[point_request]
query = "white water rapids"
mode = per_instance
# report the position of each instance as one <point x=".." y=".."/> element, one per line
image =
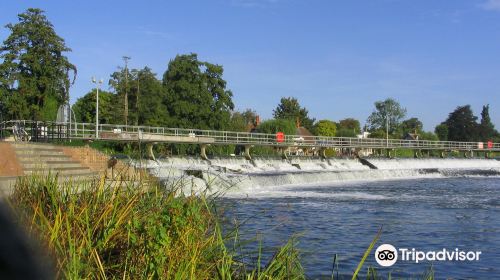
<point x="269" y="177"/>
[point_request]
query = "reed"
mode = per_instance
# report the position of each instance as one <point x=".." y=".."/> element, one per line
<point x="141" y="230"/>
<point x="103" y="230"/>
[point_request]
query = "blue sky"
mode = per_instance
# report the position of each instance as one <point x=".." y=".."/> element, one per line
<point x="336" y="57"/>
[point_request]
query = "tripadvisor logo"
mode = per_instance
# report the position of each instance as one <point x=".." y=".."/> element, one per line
<point x="387" y="255"/>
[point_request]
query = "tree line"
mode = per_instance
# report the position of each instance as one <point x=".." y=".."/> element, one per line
<point x="192" y="94"/>
<point x="461" y="124"/>
<point x="35" y="77"/>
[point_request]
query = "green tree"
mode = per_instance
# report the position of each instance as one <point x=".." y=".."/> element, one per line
<point x="152" y="97"/>
<point x="325" y="128"/>
<point x="34" y="73"/>
<point x="277" y="125"/>
<point x="486" y="128"/>
<point x="441" y="131"/>
<point x="241" y="121"/>
<point x="147" y="98"/>
<point x="120" y="83"/>
<point x="424" y="135"/>
<point x="412" y="125"/>
<point x="388" y="109"/>
<point x="2" y="110"/>
<point x="85" y="111"/>
<point x="290" y="109"/>
<point x="349" y="127"/>
<point x="378" y="133"/>
<point x="462" y="124"/>
<point x="197" y="94"/>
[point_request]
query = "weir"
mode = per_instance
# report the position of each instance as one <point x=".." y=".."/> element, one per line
<point x="263" y="174"/>
<point x="25" y="131"/>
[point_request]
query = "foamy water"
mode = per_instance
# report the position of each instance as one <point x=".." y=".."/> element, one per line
<point x="238" y="177"/>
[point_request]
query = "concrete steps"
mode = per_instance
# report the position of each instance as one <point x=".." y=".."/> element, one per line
<point x="38" y="152"/>
<point x="53" y="164"/>
<point x="43" y="159"/>
<point x="60" y="170"/>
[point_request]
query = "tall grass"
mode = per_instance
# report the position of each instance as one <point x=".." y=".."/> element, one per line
<point x="129" y="231"/>
<point x="139" y="230"/>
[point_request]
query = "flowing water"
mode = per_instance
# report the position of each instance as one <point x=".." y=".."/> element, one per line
<point x="343" y="218"/>
<point x="337" y="208"/>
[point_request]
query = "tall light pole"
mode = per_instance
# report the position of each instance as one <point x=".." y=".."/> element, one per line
<point x="125" y="113"/>
<point x="137" y="74"/>
<point x="98" y="84"/>
<point x="387" y="128"/>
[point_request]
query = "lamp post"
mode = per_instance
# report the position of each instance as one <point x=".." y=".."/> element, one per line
<point x="98" y="84"/>
<point x="387" y="129"/>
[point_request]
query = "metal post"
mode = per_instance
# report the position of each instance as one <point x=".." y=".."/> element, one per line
<point x="97" y="114"/>
<point x="125" y="113"/>
<point x="98" y="84"/>
<point x="387" y="129"/>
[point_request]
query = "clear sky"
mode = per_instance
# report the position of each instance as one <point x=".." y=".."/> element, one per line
<point x="336" y="57"/>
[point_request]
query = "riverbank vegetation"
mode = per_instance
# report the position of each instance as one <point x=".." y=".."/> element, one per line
<point x="102" y="230"/>
<point x="130" y="231"/>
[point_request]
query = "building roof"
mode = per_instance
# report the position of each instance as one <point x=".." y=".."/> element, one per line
<point x="411" y="136"/>
<point x="304" y="132"/>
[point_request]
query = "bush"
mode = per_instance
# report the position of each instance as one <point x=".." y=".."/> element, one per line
<point x="277" y="125"/>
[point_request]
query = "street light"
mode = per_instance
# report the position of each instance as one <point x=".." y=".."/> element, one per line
<point x="387" y="128"/>
<point x="98" y="84"/>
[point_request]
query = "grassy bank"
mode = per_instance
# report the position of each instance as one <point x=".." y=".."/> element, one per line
<point x="91" y="230"/>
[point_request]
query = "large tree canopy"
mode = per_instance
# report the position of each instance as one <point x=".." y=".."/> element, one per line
<point x="147" y="99"/>
<point x="388" y="110"/>
<point x="34" y="73"/>
<point x="486" y="128"/>
<point x="197" y="94"/>
<point x="462" y="125"/>
<point x="412" y="125"/>
<point x="290" y="109"/>
<point x="441" y="131"/>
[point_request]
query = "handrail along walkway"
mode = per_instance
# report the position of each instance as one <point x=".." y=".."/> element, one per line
<point x="39" y="131"/>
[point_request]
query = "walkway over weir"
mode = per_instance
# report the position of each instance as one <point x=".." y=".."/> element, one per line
<point x="48" y="131"/>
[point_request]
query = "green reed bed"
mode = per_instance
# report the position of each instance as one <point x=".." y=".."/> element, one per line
<point x="123" y="230"/>
<point x="129" y="231"/>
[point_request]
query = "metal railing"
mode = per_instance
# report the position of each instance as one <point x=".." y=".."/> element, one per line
<point x="48" y="131"/>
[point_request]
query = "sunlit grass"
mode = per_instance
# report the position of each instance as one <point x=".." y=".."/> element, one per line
<point x="129" y="231"/>
<point x="140" y="230"/>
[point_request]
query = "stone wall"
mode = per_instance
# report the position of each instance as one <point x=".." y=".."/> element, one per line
<point x="9" y="165"/>
<point x="103" y="163"/>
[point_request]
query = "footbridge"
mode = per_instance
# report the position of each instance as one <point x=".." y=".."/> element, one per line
<point x="26" y="130"/>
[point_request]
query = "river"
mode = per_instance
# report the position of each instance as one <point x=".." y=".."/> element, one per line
<point x="337" y="206"/>
<point x="342" y="218"/>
